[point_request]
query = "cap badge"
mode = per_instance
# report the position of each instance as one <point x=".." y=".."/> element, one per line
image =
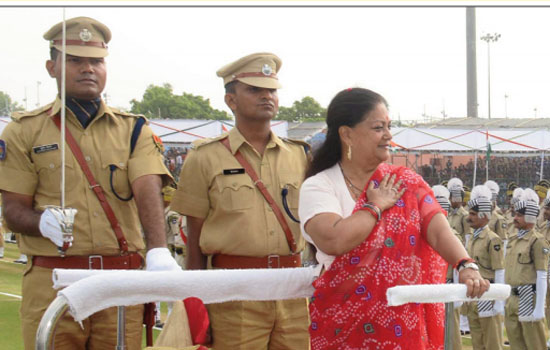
<point x="85" y="35"/>
<point x="266" y="69"/>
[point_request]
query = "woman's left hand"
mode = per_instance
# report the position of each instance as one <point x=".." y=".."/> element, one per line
<point x="476" y="284"/>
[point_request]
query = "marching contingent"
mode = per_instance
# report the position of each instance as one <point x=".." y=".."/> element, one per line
<point x="509" y="247"/>
<point x="248" y="199"/>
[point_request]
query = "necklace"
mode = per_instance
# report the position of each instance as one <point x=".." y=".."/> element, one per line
<point x="357" y="191"/>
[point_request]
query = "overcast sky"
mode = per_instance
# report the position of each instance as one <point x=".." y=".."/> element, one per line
<point x="415" y="57"/>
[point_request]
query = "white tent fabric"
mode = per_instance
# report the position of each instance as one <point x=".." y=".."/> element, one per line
<point x="174" y="132"/>
<point x="471" y="140"/>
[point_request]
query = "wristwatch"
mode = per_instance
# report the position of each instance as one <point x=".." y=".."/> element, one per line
<point x="468" y="265"/>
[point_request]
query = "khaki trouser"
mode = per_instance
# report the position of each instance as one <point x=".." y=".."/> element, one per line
<point x="260" y="325"/>
<point x="99" y="329"/>
<point x="522" y="335"/>
<point x="486" y="332"/>
<point x="457" y="338"/>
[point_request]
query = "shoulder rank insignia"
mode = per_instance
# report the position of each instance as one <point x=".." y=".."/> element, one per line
<point x="3" y="150"/>
<point x="545" y="251"/>
<point x="158" y="143"/>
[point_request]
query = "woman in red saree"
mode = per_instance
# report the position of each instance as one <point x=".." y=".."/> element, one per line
<point x="391" y="233"/>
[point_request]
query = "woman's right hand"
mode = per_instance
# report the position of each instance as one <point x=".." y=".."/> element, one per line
<point x="387" y="193"/>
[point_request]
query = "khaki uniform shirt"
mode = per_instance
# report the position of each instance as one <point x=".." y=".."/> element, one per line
<point x="33" y="167"/>
<point x="524" y="257"/>
<point x="238" y="220"/>
<point x="541" y="221"/>
<point x="487" y="250"/>
<point x="498" y="225"/>
<point x="457" y="220"/>
<point x="511" y="230"/>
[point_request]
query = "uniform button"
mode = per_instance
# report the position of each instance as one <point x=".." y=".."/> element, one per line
<point x="85" y="133"/>
<point x="88" y="158"/>
<point x="52" y="166"/>
<point x="269" y="209"/>
<point x="121" y="164"/>
<point x="271" y="232"/>
<point x="96" y="214"/>
<point x="234" y="184"/>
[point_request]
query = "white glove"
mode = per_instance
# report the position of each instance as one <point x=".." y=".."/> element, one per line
<point x="538" y="313"/>
<point x="50" y="228"/>
<point x="499" y="304"/>
<point x="160" y="259"/>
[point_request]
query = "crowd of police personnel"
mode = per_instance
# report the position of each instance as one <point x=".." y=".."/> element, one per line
<point x="509" y="246"/>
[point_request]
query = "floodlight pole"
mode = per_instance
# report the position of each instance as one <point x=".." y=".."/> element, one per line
<point x="489" y="38"/>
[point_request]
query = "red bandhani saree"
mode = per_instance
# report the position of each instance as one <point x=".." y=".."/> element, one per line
<point x="349" y="308"/>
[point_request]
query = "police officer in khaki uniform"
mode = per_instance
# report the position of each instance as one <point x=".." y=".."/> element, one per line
<point x="541" y="188"/>
<point x="230" y="221"/>
<point x="458" y="215"/>
<point x="30" y="169"/>
<point x="175" y="228"/>
<point x="526" y="266"/>
<point x="513" y="193"/>
<point x="497" y="223"/>
<point x="486" y="248"/>
<point x="546" y="234"/>
<point x="442" y="194"/>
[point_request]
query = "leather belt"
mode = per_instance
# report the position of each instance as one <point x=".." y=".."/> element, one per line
<point x="515" y="290"/>
<point x="92" y="262"/>
<point x="224" y="261"/>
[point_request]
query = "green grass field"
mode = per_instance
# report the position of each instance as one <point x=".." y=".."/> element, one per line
<point x="10" y="283"/>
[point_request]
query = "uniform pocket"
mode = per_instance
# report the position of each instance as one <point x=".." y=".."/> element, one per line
<point x="48" y="168"/>
<point x="291" y="182"/>
<point x="524" y="258"/>
<point x="115" y="167"/>
<point x="237" y="191"/>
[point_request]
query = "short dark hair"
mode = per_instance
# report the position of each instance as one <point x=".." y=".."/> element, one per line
<point x="53" y="53"/>
<point x="348" y="108"/>
<point x="230" y="87"/>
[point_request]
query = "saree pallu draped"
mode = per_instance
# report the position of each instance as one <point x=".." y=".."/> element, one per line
<point x="349" y="308"/>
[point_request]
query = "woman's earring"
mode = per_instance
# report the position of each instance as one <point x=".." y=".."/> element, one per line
<point x="349" y="152"/>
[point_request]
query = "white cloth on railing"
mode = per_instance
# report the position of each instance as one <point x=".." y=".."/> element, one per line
<point x="65" y="277"/>
<point x="124" y="288"/>
<point x="441" y="293"/>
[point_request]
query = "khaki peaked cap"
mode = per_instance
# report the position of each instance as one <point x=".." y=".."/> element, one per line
<point x="258" y="69"/>
<point x="85" y="37"/>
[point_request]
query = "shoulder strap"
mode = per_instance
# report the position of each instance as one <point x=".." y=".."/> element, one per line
<point x="135" y="133"/>
<point x="260" y="185"/>
<point x="122" y="243"/>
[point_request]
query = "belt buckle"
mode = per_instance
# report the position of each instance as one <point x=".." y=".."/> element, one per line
<point x="91" y="261"/>
<point x="270" y="263"/>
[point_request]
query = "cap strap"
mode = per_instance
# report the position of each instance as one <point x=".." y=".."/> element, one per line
<point x="81" y="43"/>
<point x="255" y="74"/>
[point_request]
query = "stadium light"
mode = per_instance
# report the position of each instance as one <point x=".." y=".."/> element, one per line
<point x="489" y="38"/>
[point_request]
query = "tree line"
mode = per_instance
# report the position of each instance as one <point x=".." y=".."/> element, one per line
<point x="160" y="102"/>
